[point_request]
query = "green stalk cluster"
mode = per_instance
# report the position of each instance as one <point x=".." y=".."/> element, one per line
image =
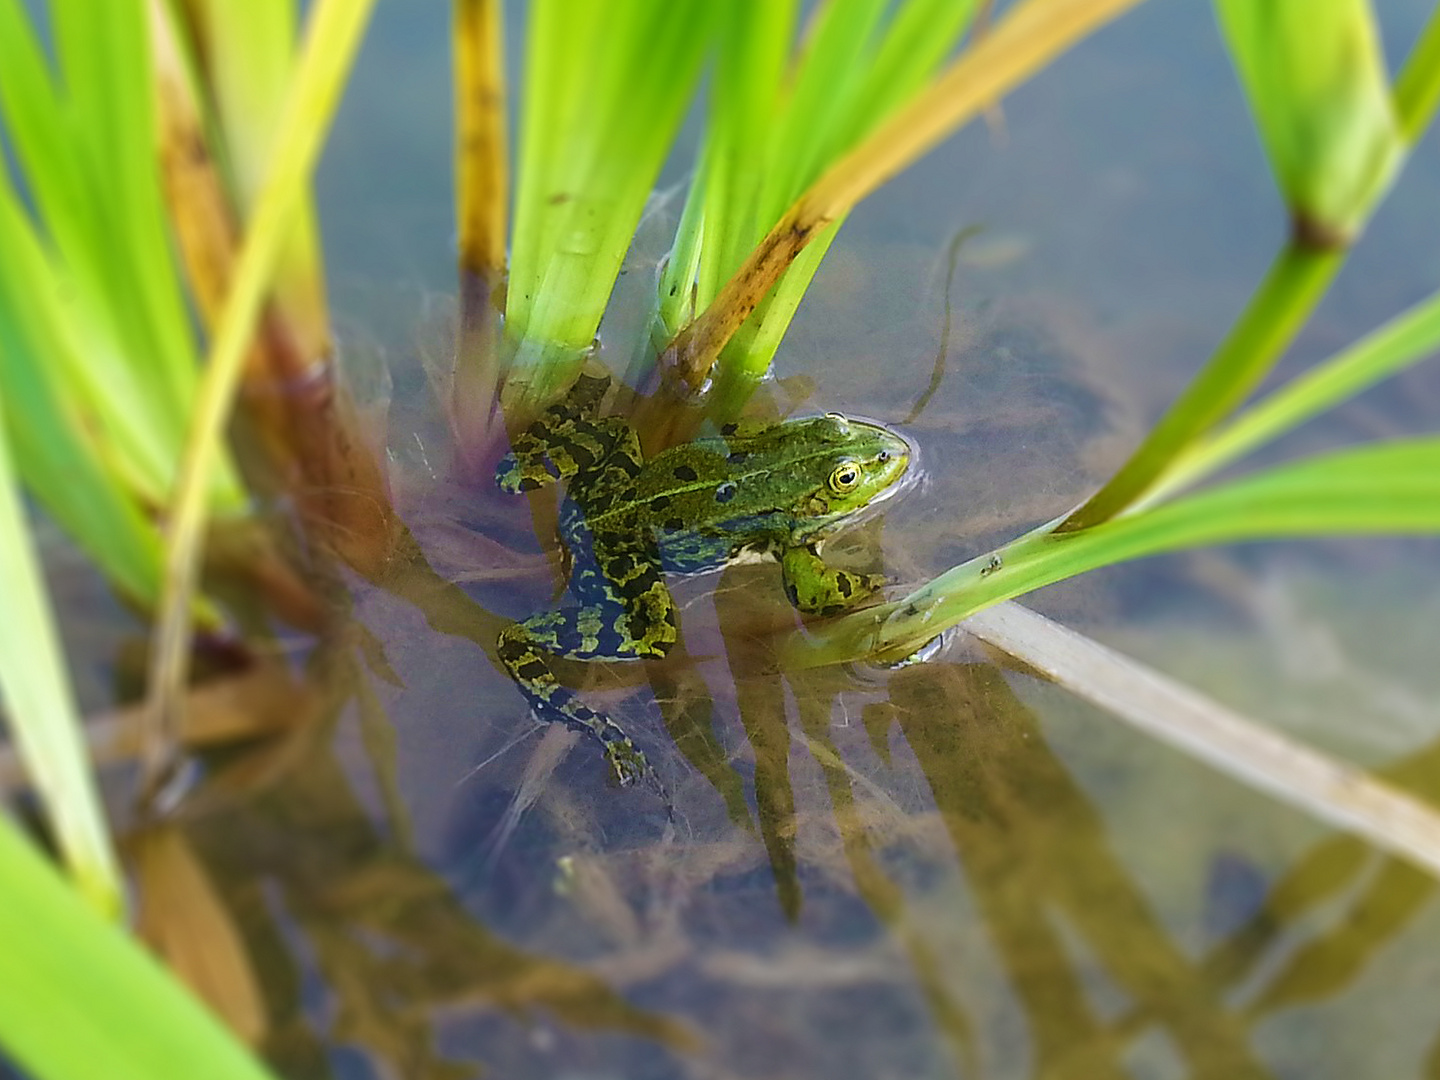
<point x="780" y="113"/>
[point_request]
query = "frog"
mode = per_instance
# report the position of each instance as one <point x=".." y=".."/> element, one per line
<point x="754" y="491"/>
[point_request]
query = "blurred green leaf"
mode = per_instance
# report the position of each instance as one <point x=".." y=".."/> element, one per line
<point x="98" y="245"/>
<point x="1317" y="84"/>
<point x="43" y="720"/>
<point x="80" y="999"/>
<point x="76" y="474"/>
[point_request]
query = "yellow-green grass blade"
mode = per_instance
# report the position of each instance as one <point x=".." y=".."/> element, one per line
<point x="746" y="360"/>
<point x="42" y="130"/>
<point x="719" y="222"/>
<point x="1031" y="33"/>
<point x="919" y="37"/>
<point x="1316" y="82"/>
<point x="856" y="69"/>
<point x="745" y="106"/>
<point x="332" y="37"/>
<point x="605" y="89"/>
<point x="1417" y="87"/>
<point x="1407" y="339"/>
<point x="248" y="52"/>
<point x="1388" y="488"/>
<point x="44" y="722"/>
<point x="80" y="999"/>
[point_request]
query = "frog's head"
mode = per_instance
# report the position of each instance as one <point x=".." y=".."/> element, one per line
<point x="841" y="467"/>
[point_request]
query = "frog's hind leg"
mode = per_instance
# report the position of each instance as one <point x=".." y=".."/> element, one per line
<point x="527" y="665"/>
<point x="630" y="616"/>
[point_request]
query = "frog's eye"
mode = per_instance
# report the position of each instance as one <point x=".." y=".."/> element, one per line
<point x="845" y="477"/>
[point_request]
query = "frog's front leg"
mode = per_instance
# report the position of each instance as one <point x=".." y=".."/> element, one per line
<point x="564" y="440"/>
<point x="817" y="588"/>
<point x="631" y="619"/>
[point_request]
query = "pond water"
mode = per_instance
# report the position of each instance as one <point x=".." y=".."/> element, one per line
<point x="951" y="869"/>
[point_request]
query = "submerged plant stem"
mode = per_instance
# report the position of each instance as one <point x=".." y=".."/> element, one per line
<point x="333" y="36"/>
<point x="481" y="164"/>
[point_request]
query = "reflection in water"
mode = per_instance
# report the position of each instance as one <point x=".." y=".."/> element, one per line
<point x="1037" y="857"/>
<point x="940" y="890"/>
<point x="322" y="894"/>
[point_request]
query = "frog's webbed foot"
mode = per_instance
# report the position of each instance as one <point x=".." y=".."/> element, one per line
<point x="816" y="588"/>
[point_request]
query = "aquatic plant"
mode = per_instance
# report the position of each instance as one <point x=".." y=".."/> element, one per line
<point x="117" y="430"/>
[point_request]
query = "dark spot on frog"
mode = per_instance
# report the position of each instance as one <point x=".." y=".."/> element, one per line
<point x="842" y="583"/>
<point x="660" y="502"/>
<point x="675" y="525"/>
<point x="793" y="593"/>
<point x="529" y="483"/>
<point x="725" y="492"/>
<point x="729" y="429"/>
<point x="737" y="458"/>
<point x="685" y="472"/>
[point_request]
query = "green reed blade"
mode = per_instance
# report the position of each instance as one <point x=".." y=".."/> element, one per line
<point x="1334" y="149"/>
<point x="1417" y="87"/>
<point x="921" y="34"/>
<point x="605" y="89"/>
<point x="1270" y="321"/>
<point x="1389" y="488"/>
<point x="1316" y="82"/>
<point x="819" y="100"/>
<point x="745" y="107"/>
<point x="80" y="999"/>
<point x="43" y="720"/>
<point x="776" y="122"/>
<point x="1407" y="339"/>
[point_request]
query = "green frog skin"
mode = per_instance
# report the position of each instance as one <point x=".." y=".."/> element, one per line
<point x="753" y="491"/>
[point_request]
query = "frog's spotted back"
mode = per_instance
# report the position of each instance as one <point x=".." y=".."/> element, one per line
<point x="768" y="490"/>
